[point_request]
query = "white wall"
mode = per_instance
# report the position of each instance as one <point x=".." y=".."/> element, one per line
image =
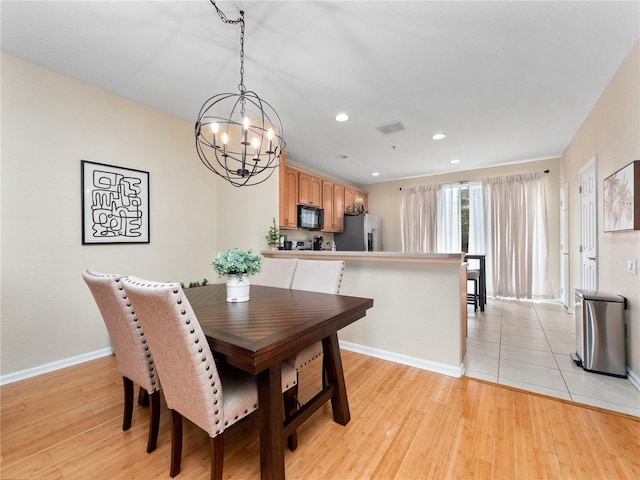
<point x="50" y="123"/>
<point x="612" y="132"/>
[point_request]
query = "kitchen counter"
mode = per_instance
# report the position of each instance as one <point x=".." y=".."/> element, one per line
<point x="455" y="258"/>
<point x="419" y="316"/>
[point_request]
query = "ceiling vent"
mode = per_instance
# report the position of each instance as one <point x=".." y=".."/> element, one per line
<point x="392" y="127"/>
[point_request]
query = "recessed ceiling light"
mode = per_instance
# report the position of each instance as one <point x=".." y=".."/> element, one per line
<point x="342" y="117"/>
<point x="341" y="157"/>
<point x="438" y="136"/>
<point x="375" y="174"/>
<point x="455" y="160"/>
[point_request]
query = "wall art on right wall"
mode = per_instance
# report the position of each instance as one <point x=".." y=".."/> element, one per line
<point x="621" y="203"/>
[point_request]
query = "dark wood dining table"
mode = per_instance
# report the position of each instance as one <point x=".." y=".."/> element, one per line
<point x="257" y="335"/>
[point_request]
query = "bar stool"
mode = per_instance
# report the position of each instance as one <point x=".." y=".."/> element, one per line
<point x="474" y="298"/>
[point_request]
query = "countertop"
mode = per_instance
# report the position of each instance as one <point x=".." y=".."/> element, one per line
<point x="457" y="258"/>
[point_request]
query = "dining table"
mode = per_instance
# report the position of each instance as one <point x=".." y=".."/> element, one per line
<point x="257" y="335"/>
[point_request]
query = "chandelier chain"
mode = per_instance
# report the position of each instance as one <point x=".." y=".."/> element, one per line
<point x="241" y="87"/>
<point x="237" y="21"/>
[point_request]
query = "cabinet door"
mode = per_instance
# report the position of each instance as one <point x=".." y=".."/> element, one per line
<point x="338" y="207"/>
<point x="365" y="200"/>
<point x="288" y="198"/>
<point x="328" y="205"/>
<point x="309" y="189"/>
<point x="349" y="199"/>
<point x="355" y="201"/>
<point x="333" y="204"/>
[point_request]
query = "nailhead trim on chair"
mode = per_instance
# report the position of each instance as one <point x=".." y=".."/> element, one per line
<point x="205" y="359"/>
<point x="307" y="362"/>
<point x="149" y="356"/>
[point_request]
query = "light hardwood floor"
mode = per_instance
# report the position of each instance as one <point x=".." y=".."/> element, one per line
<point x="406" y="423"/>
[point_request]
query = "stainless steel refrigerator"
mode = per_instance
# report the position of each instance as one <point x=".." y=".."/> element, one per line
<point x="361" y="233"/>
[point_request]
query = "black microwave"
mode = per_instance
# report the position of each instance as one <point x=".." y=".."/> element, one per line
<point x="311" y="218"/>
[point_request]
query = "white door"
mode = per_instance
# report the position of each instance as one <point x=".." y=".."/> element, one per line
<point x="588" y="226"/>
<point x="565" y="288"/>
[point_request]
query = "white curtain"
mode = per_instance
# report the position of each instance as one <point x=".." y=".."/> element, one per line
<point x="517" y="238"/>
<point x="476" y="219"/>
<point x="418" y="219"/>
<point x="476" y="223"/>
<point x="448" y="234"/>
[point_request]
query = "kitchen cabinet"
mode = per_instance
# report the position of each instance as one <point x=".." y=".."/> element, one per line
<point x="333" y="205"/>
<point x="300" y="187"/>
<point x="288" y="197"/>
<point x="353" y="199"/>
<point x="309" y="189"/>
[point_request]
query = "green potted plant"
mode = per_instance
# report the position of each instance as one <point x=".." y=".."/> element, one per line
<point x="237" y="264"/>
<point x="273" y="236"/>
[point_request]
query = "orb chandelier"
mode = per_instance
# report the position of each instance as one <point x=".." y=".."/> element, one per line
<point x="239" y="135"/>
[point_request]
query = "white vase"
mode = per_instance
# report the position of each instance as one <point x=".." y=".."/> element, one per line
<point x="238" y="288"/>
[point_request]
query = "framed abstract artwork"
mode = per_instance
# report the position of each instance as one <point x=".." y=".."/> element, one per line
<point x="621" y="204"/>
<point x="115" y="204"/>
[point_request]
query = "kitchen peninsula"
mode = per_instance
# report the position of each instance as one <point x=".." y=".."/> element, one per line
<point x="419" y="316"/>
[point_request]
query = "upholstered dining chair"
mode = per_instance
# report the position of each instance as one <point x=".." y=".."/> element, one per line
<point x="130" y="345"/>
<point x="323" y="276"/>
<point x="212" y="396"/>
<point x="276" y="272"/>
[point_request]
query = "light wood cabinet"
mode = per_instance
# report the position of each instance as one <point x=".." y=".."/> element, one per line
<point x="309" y="189"/>
<point x="333" y="205"/>
<point x="300" y="187"/>
<point x="288" y="197"/>
<point x="353" y="199"/>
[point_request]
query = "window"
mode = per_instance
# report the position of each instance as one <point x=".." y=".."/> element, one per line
<point x="455" y="218"/>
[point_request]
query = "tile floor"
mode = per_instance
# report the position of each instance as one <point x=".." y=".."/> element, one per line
<point x="527" y="344"/>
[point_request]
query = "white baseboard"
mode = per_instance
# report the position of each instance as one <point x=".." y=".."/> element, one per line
<point x="633" y="378"/>
<point x="435" y="367"/>
<point x="50" y="367"/>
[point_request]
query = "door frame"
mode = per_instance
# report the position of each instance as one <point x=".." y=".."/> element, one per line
<point x="583" y="255"/>
<point x="565" y="249"/>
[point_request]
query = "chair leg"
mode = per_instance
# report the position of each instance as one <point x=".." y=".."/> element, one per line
<point x="217" y="456"/>
<point x="143" y="397"/>
<point x="290" y="407"/>
<point x="176" y="442"/>
<point x="476" y="296"/>
<point x="154" y="424"/>
<point x="127" y="383"/>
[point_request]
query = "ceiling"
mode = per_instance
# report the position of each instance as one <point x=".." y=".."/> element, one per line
<point x="507" y="81"/>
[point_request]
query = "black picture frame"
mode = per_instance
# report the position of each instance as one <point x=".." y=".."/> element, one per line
<point x="115" y="204"/>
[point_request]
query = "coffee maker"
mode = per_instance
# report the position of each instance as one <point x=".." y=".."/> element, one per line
<point x="317" y="243"/>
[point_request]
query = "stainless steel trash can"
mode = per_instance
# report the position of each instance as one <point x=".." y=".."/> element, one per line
<point x="600" y="333"/>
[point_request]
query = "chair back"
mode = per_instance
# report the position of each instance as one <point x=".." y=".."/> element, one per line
<point x="189" y="375"/>
<point x="323" y="276"/>
<point x="127" y="336"/>
<point x="276" y="272"/>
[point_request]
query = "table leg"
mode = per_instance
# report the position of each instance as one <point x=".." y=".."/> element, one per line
<point x="335" y="376"/>
<point x="271" y="422"/>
